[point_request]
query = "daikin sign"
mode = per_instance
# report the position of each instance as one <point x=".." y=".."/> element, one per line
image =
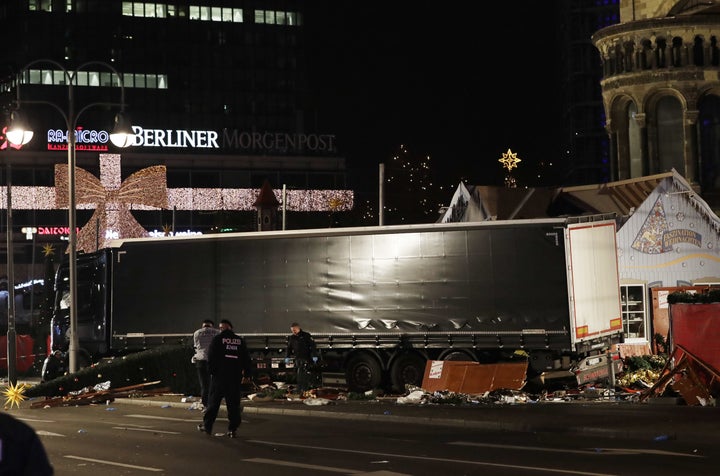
<point x="230" y="140"/>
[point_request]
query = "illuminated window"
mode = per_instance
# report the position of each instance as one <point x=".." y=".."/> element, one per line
<point x="81" y="78"/>
<point x="47" y="77"/>
<point x="58" y="77"/>
<point x="205" y="13"/>
<point x="40" y="5"/>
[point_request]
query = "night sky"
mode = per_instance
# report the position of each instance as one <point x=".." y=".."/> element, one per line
<point x="438" y="77"/>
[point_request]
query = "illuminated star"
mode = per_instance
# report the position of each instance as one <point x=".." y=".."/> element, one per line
<point x="48" y="250"/>
<point x="509" y="160"/>
<point x="167" y="229"/>
<point x="14" y="394"/>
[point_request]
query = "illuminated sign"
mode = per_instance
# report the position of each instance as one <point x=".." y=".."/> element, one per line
<point x="175" y="138"/>
<point x="84" y="139"/>
<point x="160" y="233"/>
<point x="54" y="230"/>
<point x="258" y="142"/>
<point x="278" y="141"/>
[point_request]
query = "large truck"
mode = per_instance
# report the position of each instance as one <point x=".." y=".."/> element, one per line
<point x="379" y="301"/>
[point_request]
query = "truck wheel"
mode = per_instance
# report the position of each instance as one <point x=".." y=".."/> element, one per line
<point x="407" y="369"/>
<point x="363" y="373"/>
<point x="459" y="356"/>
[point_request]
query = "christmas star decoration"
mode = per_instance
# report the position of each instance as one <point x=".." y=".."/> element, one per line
<point x="167" y="229"/>
<point x="509" y="160"/>
<point x="48" y="250"/>
<point x="14" y="395"/>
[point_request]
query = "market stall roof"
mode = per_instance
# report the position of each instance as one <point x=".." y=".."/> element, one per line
<point x="482" y="202"/>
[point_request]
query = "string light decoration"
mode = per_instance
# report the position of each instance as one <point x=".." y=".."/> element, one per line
<point x="510" y="160"/>
<point x="112" y="199"/>
<point x="14" y="394"/>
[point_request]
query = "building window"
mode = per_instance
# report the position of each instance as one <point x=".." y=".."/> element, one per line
<point x="634" y="311"/>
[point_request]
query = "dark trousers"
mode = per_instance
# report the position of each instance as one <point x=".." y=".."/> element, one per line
<point x="229" y="389"/>
<point x="303" y="375"/>
<point x="203" y="373"/>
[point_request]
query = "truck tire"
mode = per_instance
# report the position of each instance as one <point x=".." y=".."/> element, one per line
<point x="363" y="373"/>
<point x="458" y="356"/>
<point x="407" y="369"/>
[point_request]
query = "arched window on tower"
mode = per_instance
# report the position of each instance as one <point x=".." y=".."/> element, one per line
<point x="669" y="135"/>
<point x="644" y="56"/>
<point x="698" y="52"/>
<point x="637" y="168"/>
<point x="677" y="44"/>
<point x="660" y="46"/>
<point x="629" y="54"/>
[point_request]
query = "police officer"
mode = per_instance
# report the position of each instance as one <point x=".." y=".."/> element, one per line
<point x="229" y="363"/>
<point x="302" y="346"/>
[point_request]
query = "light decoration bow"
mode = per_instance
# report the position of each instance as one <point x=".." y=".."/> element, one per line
<point x="112" y="199"/>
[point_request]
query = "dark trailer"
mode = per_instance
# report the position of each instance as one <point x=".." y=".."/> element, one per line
<point x="380" y="301"/>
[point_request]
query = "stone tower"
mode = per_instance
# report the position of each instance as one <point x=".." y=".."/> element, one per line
<point x="661" y="91"/>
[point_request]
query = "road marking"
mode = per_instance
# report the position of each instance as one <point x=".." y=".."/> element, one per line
<point x="315" y="467"/>
<point x="427" y="458"/>
<point x="113" y="463"/>
<point x="47" y="433"/>
<point x="300" y="465"/>
<point x="149" y="430"/>
<point x="151" y="417"/>
<point x="589" y="451"/>
<point x="36" y="420"/>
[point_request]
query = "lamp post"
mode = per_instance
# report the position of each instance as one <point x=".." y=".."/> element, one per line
<point x="121" y="136"/>
<point x="20" y="139"/>
<point x="11" y="334"/>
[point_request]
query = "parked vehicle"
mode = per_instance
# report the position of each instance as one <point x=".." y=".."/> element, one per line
<point x="379" y="301"/>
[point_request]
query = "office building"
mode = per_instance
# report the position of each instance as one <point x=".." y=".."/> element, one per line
<point x="218" y="97"/>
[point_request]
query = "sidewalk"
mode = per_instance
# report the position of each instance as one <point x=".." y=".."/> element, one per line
<point x="654" y="420"/>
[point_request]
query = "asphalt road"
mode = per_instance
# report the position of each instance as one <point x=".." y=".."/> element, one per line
<point x="158" y="435"/>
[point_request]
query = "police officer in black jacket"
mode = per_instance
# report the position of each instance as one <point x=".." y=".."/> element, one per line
<point x="229" y="363"/>
<point x="301" y="346"/>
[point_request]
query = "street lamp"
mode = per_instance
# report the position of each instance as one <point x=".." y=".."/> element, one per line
<point x="121" y="136"/>
<point x="22" y="138"/>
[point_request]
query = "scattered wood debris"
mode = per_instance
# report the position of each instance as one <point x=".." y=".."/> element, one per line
<point x="101" y="395"/>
